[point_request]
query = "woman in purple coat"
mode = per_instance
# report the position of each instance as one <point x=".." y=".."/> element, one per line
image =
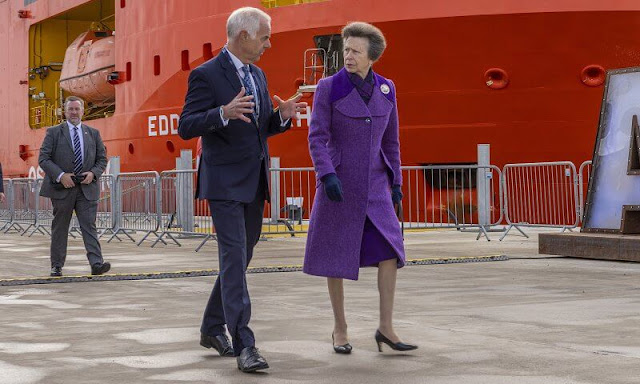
<point x="354" y="145"/>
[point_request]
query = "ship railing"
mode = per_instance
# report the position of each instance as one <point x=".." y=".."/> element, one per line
<point x="292" y="194"/>
<point x="315" y="65"/>
<point x="137" y="205"/>
<point x="6" y="206"/>
<point x="105" y="218"/>
<point x="44" y="115"/>
<point x="541" y="195"/>
<point x="584" y="176"/>
<point x="183" y="216"/>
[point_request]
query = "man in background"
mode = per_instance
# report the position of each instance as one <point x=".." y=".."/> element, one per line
<point x="73" y="158"/>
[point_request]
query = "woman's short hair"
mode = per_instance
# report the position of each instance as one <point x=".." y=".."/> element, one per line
<point x="245" y="19"/>
<point x="377" y="42"/>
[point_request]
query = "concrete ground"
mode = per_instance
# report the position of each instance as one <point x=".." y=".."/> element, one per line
<point x="532" y="319"/>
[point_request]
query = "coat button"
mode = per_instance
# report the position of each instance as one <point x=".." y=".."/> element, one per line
<point x="368" y="120"/>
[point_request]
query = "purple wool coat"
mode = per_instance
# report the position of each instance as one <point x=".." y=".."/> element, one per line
<point x="353" y="140"/>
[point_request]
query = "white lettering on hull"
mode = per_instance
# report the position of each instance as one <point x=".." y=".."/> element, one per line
<point x="304" y="116"/>
<point x="163" y="125"/>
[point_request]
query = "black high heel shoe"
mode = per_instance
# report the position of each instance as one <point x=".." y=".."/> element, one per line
<point x="344" y="349"/>
<point x="399" y="346"/>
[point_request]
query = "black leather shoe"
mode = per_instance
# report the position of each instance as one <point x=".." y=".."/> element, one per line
<point x="344" y="349"/>
<point x="220" y="343"/>
<point x="251" y="361"/>
<point x="399" y="346"/>
<point x="56" y="271"/>
<point x="99" y="269"/>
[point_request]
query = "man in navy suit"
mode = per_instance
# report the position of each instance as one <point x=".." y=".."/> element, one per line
<point x="228" y="105"/>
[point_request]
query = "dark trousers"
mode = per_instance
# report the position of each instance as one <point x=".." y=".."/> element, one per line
<point x="86" y="211"/>
<point x="238" y="226"/>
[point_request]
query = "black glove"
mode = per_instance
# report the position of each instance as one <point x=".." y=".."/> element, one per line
<point x="396" y="194"/>
<point x="332" y="187"/>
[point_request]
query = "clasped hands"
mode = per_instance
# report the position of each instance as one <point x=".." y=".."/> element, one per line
<point x="333" y="189"/>
<point x="67" y="179"/>
<point x="243" y="104"/>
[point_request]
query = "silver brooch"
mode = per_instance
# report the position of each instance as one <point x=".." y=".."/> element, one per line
<point x="384" y="88"/>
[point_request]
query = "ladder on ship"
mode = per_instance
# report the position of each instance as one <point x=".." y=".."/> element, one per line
<point x="322" y="61"/>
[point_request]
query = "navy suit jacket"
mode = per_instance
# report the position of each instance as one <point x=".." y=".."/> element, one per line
<point x="233" y="156"/>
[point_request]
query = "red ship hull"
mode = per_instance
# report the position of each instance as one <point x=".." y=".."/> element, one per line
<point x="437" y="56"/>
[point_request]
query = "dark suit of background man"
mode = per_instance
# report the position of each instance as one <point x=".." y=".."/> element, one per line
<point x="228" y="105"/>
<point x="72" y="151"/>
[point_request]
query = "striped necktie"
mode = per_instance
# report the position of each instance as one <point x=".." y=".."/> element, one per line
<point x="77" y="151"/>
<point x="248" y="85"/>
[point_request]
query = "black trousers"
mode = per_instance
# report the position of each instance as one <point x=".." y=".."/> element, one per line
<point x="238" y="226"/>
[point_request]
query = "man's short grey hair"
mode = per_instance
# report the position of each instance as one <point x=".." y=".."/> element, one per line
<point x="245" y="19"/>
<point x="73" y="98"/>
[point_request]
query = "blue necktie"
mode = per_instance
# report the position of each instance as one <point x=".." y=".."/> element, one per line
<point x="248" y="85"/>
<point x="77" y="151"/>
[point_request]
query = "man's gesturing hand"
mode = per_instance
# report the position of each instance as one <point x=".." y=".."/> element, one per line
<point x="289" y="108"/>
<point x="237" y="107"/>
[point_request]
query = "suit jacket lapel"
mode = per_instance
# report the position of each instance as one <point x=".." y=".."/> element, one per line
<point x="230" y="71"/>
<point x="352" y="105"/>
<point x="87" y="139"/>
<point x="65" y="132"/>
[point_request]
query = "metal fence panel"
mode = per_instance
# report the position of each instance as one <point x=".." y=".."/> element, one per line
<point x="541" y="195"/>
<point x="139" y="204"/>
<point x="43" y="211"/>
<point x="24" y="206"/>
<point x="448" y="197"/>
<point x="6" y="206"/>
<point x="292" y="194"/>
<point x="183" y="216"/>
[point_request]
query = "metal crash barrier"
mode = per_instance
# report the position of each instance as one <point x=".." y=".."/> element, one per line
<point x="541" y="195"/>
<point x="464" y="197"/>
<point x="6" y="206"/>
<point x="461" y="197"/>
<point x="183" y="216"/>
<point x="23" y="205"/>
<point x="138" y="207"/>
<point x="292" y="194"/>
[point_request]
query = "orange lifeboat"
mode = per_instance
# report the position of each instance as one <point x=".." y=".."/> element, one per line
<point x="87" y="63"/>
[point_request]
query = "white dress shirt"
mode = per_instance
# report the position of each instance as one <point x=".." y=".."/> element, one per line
<point x="80" y="136"/>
